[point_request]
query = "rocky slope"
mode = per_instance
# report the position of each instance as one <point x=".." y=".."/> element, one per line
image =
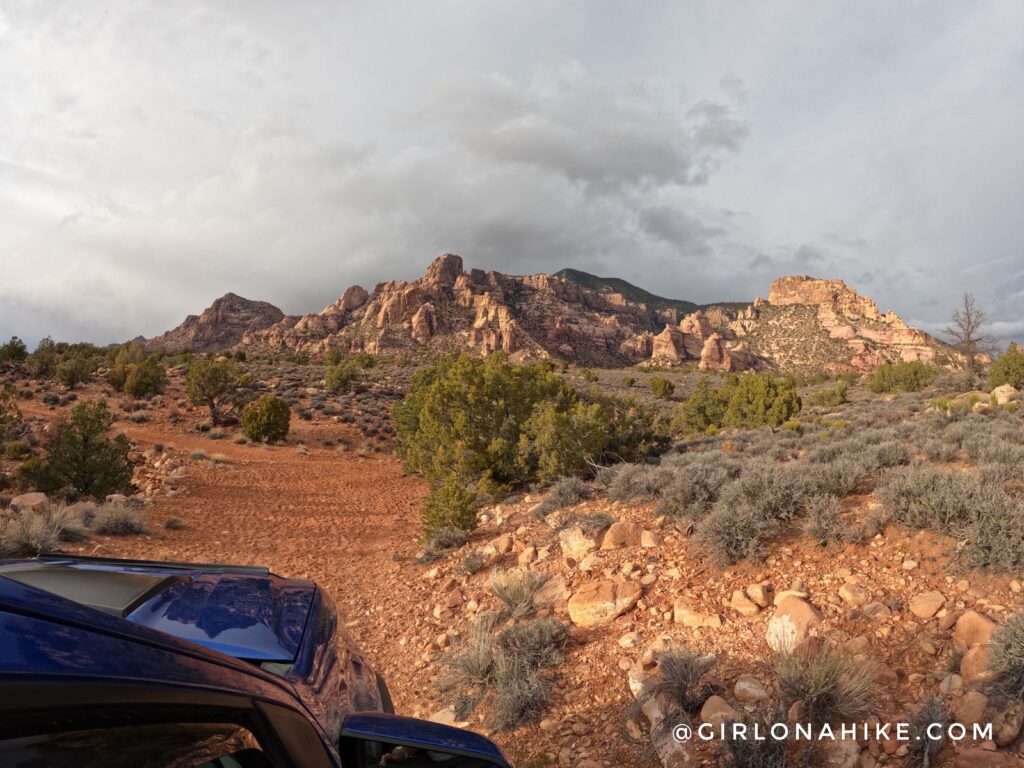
<point x="805" y="323"/>
<point x="221" y="325"/>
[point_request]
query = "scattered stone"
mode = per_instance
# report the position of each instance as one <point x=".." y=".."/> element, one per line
<point x="650" y="539"/>
<point x="622" y="534"/>
<point x="717" y="710"/>
<point x="683" y="613"/>
<point x="969" y="709"/>
<point x="576" y="542"/>
<point x="876" y="611"/>
<point x="629" y="640"/>
<point x="760" y="594"/>
<point x="749" y="690"/>
<point x="974" y="665"/>
<point x="794" y="621"/>
<point x="972" y="629"/>
<point x="743" y="605"/>
<point x="1007" y="718"/>
<point x="798" y="593"/>
<point x="927" y="604"/>
<point x="601" y="602"/>
<point x="30" y="502"/>
<point x="854" y="594"/>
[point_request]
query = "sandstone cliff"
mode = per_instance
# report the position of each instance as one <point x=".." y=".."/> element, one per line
<point x="805" y="323"/>
<point x="221" y="325"/>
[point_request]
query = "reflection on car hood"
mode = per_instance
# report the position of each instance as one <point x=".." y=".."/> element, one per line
<point x="258" y="618"/>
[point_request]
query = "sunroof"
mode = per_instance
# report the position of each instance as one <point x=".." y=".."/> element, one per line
<point x="116" y="592"/>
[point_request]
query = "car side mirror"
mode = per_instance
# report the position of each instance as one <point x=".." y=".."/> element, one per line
<point x="370" y="739"/>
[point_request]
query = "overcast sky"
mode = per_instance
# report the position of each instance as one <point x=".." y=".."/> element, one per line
<point x="155" y="155"/>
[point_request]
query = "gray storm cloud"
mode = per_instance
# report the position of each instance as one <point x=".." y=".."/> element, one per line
<point x="156" y="156"/>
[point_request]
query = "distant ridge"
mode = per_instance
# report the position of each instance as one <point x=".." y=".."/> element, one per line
<point x="636" y="294"/>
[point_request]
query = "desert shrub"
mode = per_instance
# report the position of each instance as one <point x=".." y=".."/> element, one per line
<point x="1008" y="368"/>
<point x="758" y="400"/>
<point x="42" y="363"/>
<point x="220" y="385"/>
<point x="629" y="382"/>
<point x="81" y="457"/>
<point x="1006" y="656"/>
<point x="832" y="686"/>
<point x="563" y="493"/>
<point x="888" y="454"/>
<point x="925" y="497"/>
<point x="733" y="533"/>
<point x="332" y="357"/>
<point x="442" y="539"/>
<point x="751" y="400"/>
<point x="838" y="478"/>
<point x="17" y="449"/>
<point x="174" y="524"/>
<point x="449" y="505"/>
<point x="74" y="368"/>
<point x="13" y="351"/>
<point x="830" y="397"/>
<point x="902" y="377"/>
<point x="777" y="491"/>
<point x="505" y="671"/>
<point x="119" y="519"/>
<point x="678" y="678"/>
<point x="924" y="742"/>
<point x="11" y="424"/>
<point x="662" y="388"/>
<point x="744" y="751"/>
<point x="474" y="562"/>
<point x="696" y="484"/>
<point x="703" y="410"/>
<point x="517" y="589"/>
<point x="499" y="424"/>
<point x="145" y="378"/>
<point x="266" y="419"/>
<point x="638" y="481"/>
<point x="342" y="377"/>
<point x="535" y="643"/>
<point x="821" y="520"/>
<point x="938" y="449"/>
<point x="26" y="535"/>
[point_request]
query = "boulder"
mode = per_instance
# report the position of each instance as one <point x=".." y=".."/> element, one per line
<point x="601" y="602"/>
<point x="1007" y="718"/>
<point x="622" y="535"/>
<point x="854" y="594"/>
<point x="717" y="710"/>
<point x="743" y="605"/>
<point x="794" y="621"/>
<point x="974" y="665"/>
<point x="577" y="542"/>
<point x="969" y="709"/>
<point x="749" y="690"/>
<point x="30" y="502"/>
<point x="972" y="629"/>
<point x="927" y="604"/>
<point x="1005" y="393"/>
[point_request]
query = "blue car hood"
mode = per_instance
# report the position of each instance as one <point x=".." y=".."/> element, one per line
<point x="249" y="617"/>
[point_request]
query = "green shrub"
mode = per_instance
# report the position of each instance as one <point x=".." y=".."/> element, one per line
<point x="751" y="400"/>
<point x="629" y="382"/>
<point x="42" y="363"/>
<point x="662" y="388"/>
<point x="81" y="458"/>
<point x="332" y="357"/>
<point x="220" y="385"/>
<point x="144" y="379"/>
<point x="266" y="419"/>
<point x="1008" y="368"/>
<point x="449" y="505"/>
<point x="14" y="351"/>
<point x="833" y="687"/>
<point x="902" y="377"/>
<point x="831" y="397"/>
<point x="498" y="424"/>
<point x="11" y="424"/>
<point x="17" y="449"/>
<point x="758" y="400"/>
<point x="341" y="377"/>
<point x="74" y="368"/>
<point x="703" y="410"/>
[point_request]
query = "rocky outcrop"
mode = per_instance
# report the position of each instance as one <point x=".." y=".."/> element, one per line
<point x="223" y="324"/>
<point x="805" y="323"/>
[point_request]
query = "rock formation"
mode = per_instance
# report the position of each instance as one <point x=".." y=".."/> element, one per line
<point x="805" y="323"/>
<point x="221" y="325"/>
